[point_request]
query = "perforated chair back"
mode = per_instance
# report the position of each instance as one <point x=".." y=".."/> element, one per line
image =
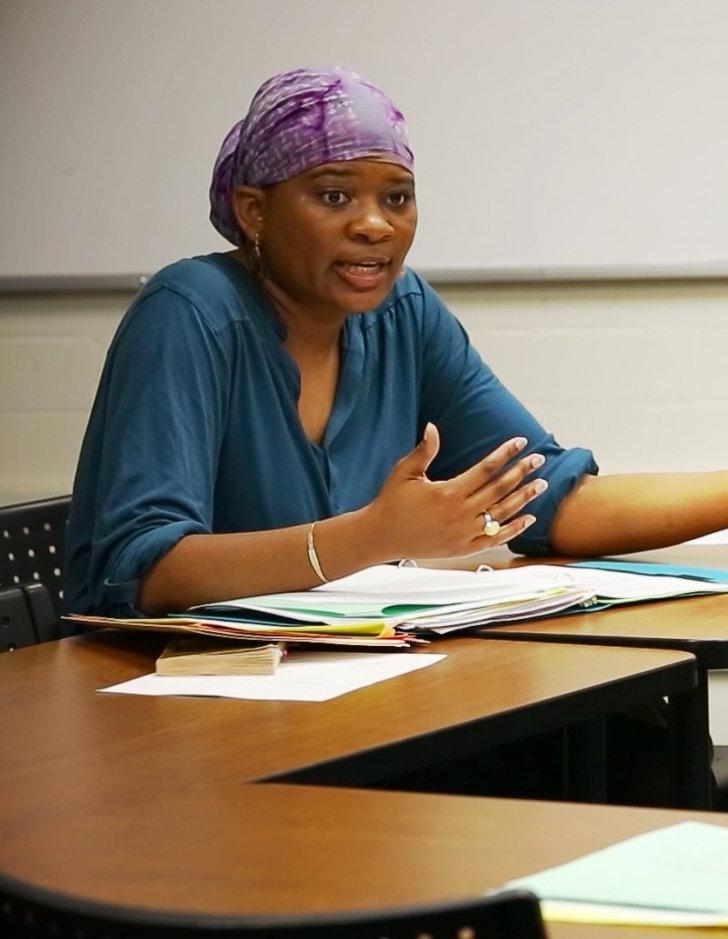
<point x="32" y="537"/>
<point x="26" y="617"/>
<point x="30" y="913"/>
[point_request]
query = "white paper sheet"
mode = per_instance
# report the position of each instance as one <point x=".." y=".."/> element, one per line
<point x="302" y="676"/>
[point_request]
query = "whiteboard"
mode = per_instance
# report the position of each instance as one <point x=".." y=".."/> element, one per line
<point x="550" y="135"/>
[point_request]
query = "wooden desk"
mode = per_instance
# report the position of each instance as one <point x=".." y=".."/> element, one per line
<point x="57" y="728"/>
<point x="697" y="624"/>
<point x="222" y="849"/>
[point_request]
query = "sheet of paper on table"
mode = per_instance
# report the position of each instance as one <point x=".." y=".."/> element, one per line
<point x="676" y="875"/>
<point x="302" y="676"/>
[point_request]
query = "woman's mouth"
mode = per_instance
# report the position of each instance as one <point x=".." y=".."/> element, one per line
<point x="363" y="274"/>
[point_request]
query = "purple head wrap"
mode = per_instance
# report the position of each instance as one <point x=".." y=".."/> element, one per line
<point x="298" y="120"/>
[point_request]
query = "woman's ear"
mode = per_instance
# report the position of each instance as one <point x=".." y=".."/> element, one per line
<point x="247" y="205"/>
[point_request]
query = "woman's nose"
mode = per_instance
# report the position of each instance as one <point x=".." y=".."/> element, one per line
<point x="371" y="222"/>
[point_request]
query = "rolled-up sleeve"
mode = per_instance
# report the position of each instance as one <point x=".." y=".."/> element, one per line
<point x="475" y="413"/>
<point x="148" y="464"/>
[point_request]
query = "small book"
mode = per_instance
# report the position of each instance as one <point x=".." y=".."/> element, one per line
<point x="193" y="656"/>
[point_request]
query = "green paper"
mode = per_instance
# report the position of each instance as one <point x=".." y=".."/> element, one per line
<point x="681" y="868"/>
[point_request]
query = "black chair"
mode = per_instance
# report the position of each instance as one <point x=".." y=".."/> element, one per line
<point x="32" y="537"/>
<point x="29" y="913"/>
<point x="720" y="772"/>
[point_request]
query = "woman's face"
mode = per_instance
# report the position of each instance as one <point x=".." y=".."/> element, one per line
<point x="334" y="239"/>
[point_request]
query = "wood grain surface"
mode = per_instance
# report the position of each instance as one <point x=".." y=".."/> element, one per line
<point x="482" y="693"/>
<point x="146" y="802"/>
<point x="222" y="849"/>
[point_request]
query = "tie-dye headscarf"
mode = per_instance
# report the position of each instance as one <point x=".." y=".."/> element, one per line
<point x="298" y="120"/>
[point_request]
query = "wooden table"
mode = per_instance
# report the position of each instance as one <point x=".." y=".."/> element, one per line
<point x="481" y="695"/>
<point x="247" y="850"/>
<point x="128" y="799"/>
<point x="698" y="625"/>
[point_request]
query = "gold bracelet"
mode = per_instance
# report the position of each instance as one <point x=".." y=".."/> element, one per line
<point x="313" y="557"/>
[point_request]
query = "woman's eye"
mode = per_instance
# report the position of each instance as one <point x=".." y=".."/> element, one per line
<point x="399" y="199"/>
<point x="334" y="197"/>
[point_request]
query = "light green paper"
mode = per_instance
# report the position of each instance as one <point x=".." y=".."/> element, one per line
<point x="328" y="607"/>
<point x="681" y="867"/>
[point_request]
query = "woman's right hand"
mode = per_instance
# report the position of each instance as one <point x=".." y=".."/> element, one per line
<point x="412" y="516"/>
<point x="419" y="517"/>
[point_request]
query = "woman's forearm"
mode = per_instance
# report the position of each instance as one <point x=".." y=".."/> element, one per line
<point x="206" y="568"/>
<point x="637" y="512"/>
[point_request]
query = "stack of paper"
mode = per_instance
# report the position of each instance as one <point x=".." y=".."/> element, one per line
<point x="377" y="635"/>
<point x="412" y="599"/>
<point x="198" y="655"/>
<point x="382" y="606"/>
<point x="617" y="582"/>
<point x="675" y="876"/>
<point x="388" y="606"/>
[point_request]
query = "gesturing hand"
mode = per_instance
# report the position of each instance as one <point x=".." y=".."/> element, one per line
<point x="419" y="517"/>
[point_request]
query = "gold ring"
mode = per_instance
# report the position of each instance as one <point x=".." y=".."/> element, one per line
<point x="491" y="526"/>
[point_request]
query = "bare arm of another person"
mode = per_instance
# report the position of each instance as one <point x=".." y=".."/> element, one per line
<point x="412" y="515"/>
<point x="637" y="512"/>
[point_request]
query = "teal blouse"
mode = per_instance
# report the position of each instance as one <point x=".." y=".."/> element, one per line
<point x="195" y="425"/>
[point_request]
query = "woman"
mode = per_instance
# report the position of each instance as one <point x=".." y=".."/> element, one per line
<point x="304" y="406"/>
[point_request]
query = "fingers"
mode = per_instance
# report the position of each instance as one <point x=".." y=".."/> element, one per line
<point x="514" y="502"/>
<point x="499" y="488"/>
<point x="507" y="532"/>
<point x="506" y="512"/>
<point x="504" y="498"/>
<point x="490" y="466"/>
<point x="416" y="463"/>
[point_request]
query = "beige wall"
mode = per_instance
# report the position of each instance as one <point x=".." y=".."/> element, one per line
<point x="634" y="371"/>
<point x="51" y="352"/>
